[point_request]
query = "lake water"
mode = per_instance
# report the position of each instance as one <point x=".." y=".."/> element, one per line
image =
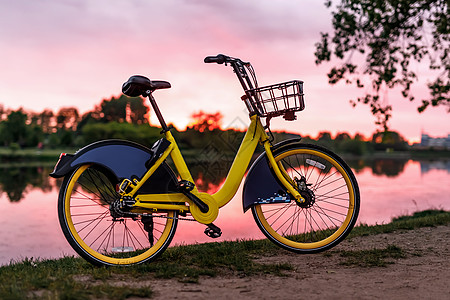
<point x="29" y="224"/>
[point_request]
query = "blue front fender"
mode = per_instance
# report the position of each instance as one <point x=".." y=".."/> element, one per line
<point x="261" y="185"/>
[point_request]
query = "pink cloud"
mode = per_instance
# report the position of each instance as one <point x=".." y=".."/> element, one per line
<point x="61" y="53"/>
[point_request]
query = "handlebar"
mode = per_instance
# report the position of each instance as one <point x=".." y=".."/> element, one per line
<point x="219" y="59"/>
<point x="282" y="99"/>
<point x="240" y="68"/>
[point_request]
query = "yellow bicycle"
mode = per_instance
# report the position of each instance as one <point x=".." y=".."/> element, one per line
<point x="120" y="202"/>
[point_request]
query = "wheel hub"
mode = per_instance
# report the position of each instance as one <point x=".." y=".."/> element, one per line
<point x="309" y="197"/>
<point x="119" y="208"/>
<point x="305" y="192"/>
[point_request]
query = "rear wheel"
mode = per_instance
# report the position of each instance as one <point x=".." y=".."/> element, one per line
<point x="99" y="231"/>
<point x="331" y="207"/>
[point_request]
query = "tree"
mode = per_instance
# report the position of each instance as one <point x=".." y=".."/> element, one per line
<point x="2" y="112"/>
<point x="359" y="137"/>
<point x="202" y="121"/>
<point x="67" y="118"/>
<point x="14" y="128"/>
<point x="143" y="134"/>
<point x="34" y="135"/>
<point x="342" y="136"/>
<point x="389" y="140"/>
<point x="393" y="36"/>
<point x="45" y="120"/>
<point x="324" y="139"/>
<point x="324" y="136"/>
<point x="352" y="146"/>
<point x="123" y="109"/>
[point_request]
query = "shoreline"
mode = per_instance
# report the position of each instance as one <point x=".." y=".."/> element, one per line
<point x="34" y="154"/>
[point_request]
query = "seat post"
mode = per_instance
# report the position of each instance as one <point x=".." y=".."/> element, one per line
<point x="157" y="112"/>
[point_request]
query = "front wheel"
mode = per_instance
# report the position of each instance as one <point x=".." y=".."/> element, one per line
<point x="331" y="207"/>
<point x="99" y="231"/>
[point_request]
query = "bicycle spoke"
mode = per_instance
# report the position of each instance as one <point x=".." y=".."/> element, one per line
<point x="331" y="191"/>
<point x="279" y="216"/>
<point x="99" y="220"/>
<point x="86" y="205"/>
<point x="93" y="242"/>
<point x="334" y="204"/>
<point x="321" y="198"/>
<point x="98" y="188"/>
<point x="320" y="216"/>
<point x="320" y="185"/>
<point x="276" y="210"/>
<point x="107" y="236"/>
<point x="287" y="220"/>
<point x="326" y="212"/>
<point x="102" y="215"/>
<point x="131" y="234"/>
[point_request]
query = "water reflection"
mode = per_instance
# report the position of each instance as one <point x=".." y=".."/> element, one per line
<point x="209" y="170"/>
<point x="389" y="188"/>
<point x="427" y="166"/>
<point x="379" y="167"/>
<point x="396" y="166"/>
<point x="17" y="181"/>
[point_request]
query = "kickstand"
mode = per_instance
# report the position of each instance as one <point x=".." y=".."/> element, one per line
<point x="213" y="231"/>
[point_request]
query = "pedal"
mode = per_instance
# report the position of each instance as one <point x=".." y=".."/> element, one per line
<point x="213" y="231"/>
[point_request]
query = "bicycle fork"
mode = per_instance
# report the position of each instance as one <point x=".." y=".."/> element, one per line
<point x="281" y="174"/>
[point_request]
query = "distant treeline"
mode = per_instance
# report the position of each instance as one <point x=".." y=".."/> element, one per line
<point x="127" y="118"/>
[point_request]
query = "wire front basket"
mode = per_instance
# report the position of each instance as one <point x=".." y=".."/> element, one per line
<point x="282" y="99"/>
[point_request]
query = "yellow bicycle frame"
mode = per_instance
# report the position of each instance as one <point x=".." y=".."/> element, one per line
<point x="177" y="201"/>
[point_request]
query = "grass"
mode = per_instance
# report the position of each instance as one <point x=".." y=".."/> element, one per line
<point x="73" y="278"/>
<point x="426" y="218"/>
<point x="211" y="259"/>
<point x="54" y="279"/>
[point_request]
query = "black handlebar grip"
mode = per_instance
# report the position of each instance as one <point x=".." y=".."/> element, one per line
<point x="219" y="59"/>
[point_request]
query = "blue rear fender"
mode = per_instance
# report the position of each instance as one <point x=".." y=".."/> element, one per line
<point x="122" y="159"/>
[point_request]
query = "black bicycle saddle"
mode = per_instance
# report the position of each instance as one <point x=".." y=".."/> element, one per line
<point x="138" y="85"/>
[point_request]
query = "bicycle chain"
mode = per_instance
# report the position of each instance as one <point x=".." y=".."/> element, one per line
<point x="177" y="218"/>
<point x="163" y="217"/>
<point x="140" y="214"/>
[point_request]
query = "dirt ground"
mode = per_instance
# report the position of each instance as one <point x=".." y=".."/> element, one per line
<point x="423" y="274"/>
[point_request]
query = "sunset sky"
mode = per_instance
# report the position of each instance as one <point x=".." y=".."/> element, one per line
<point x="77" y="52"/>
